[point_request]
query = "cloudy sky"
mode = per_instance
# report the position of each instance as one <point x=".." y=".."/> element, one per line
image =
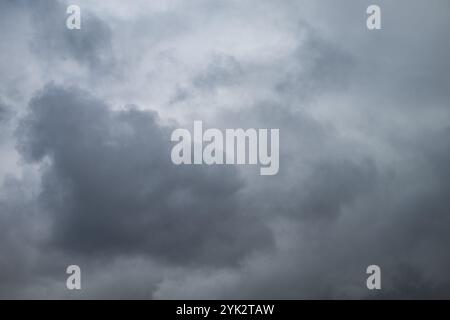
<point x="86" y="176"/>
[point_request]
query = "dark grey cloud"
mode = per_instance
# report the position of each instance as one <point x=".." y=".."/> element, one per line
<point x="364" y="151"/>
<point x="112" y="188"/>
<point x="346" y="210"/>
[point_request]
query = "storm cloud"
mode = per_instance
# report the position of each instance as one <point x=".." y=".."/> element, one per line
<point x="86" y="177"/>
<point x="112" y="189"/>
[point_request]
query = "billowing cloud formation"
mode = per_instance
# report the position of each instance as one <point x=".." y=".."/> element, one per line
<point x="364" y="121"/>
<point x="112" y="188"/>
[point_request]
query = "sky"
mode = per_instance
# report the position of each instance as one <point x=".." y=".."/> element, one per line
<point x="86" y="176"/>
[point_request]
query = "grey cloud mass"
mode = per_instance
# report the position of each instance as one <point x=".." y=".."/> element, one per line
<point x="86" y="176"/>
<point x="112" y="190"/>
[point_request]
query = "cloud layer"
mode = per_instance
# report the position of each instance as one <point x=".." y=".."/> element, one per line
<point x="86" y="176"/>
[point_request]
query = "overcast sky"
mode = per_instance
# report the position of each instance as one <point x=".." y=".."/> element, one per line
<point x="86" y="176"/>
